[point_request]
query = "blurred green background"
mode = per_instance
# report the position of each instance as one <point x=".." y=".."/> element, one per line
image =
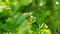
<point x="29" y="16"/>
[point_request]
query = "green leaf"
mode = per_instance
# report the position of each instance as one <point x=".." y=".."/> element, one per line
<point x="39" y="17"/>
<point x="14" y="22"/>
<point x="23" y="28"/>
<point x="3" y="13"/>
<point x="25" y="2"/>
<point x="1" y="24"/>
